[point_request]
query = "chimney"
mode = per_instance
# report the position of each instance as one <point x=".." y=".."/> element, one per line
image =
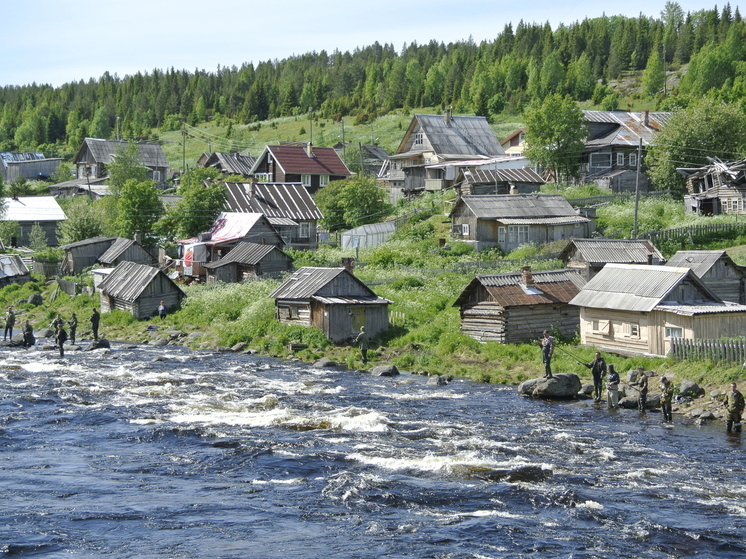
<point x="349" y="264"/>
<point x="650" y="259"/>
<point x="513" y="188"/>
<point x="526" y="276"/>
<point x="138" y="237"/>
<point x="646" y="118"/>
<point x="447" y="115"/>
<point x="309" y="150"/>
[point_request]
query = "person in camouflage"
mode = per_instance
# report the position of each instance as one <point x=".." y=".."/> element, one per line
<point x="666" y="387"/>
<point x="734" y="403"/>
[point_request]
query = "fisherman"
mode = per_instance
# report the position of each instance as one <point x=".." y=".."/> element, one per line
<point x="162" y="310"/>
<point x="612" y="387"/>
<point x="547" y="350"/>
<point x="57" y="322"/>
<point x="28" y="335"/>
<point x="73" y="327"/>
<point x="598" y="370"/>
<point x="10" y="322"/>
<point x="641" y="382"/>
<point x="666" y="387"/>
<point x="95" y="321"/>
<point x="363" y="343"/>
<point x="61" y="337"/>
<point x="734" y="403"/>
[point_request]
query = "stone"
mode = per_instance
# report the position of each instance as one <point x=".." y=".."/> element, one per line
<point x="560" y="386"/>
<point x="239" y="347"/>
<point x="44" y="333"/>
<point x="437" y="380"/>
<point x="192" y="336"/>
<point x="628" y="402"/>
<point x="98" y="344"/>
<point x="691" y="389"/>
<point x="325" y="362"/>
<point x="384" y="371"/>
<point x="160" y="342"/>
<point x="587" y="389"/>
<point x="35" y="299"/>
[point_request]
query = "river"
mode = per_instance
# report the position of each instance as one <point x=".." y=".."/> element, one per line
<point x="169" y="453"/>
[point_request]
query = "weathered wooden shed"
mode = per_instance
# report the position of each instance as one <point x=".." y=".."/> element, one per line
<point x="248" y="261"/>
<point x="13" y="270"/>
<point x="517" y="307"/>
<point x="29" y="210"/>
<point x="84" y="254"/>
<point x="717" y="270"/>
<point x="588" y="256"/>
<point x="633" y="309"/>
<point x="126" y="250"/>
<point x="29" y="165"/>
<point x="333" y="300"/>
<point x="138" y="289"/>
<point x="95" y="154"/>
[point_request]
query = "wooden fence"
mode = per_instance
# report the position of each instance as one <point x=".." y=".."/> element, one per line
<point x="693" y="231"/>
<point x="712" y="350"/>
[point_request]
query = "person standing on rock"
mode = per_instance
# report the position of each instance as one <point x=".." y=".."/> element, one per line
<point x="666" y="387"/>
<point x="28" y="335"/>
<point x="598" y="370"/>
<point x="547" y="350"/>
<point x="612" y="387"/>
<point x="641" y="382"/>
<point x="61" y="337"/>
<point x="95" y="321"/>
<point x="363" y="343"/>
<point x="10" y="322"/>
<point x="57" y="322"/>
<point x="73" y="327"/>
<point x="734" y="404"/>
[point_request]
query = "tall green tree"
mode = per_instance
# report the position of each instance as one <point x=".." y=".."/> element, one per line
<point x="126" y="166"/>
<point x="84" y="220"/>
<point x="138" y="209"/>
<point x="708" y="129"/>
<point x="353" y="202"/>
<point x="555" y="134"/>
<point x="653" y="77"/>
<point x="201" y="203"/>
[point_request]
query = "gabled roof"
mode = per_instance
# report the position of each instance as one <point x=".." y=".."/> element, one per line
<point x="293" y="159"/>
<point x="482" y="176"/>
<point x="547" y="287"/>
<point x="32" y="208"/>
<point x="117" y="249"/>
<point x="230" y="163"/>
<point x="102" y="151"/>
<point x="626" y="129"/>
<point x="245" y="253"/>
<point x="233" y="225"/>
<point x="620" y="251"/>
<point x="129" y="280"/>
<point x="632" y="287"/>
<point x="453" y="136"/>
<point x="376" y="151"/>
<point x="522" y="209"/>
<point x="306" y="283"/>
<point x="701" y="261"/>
<point x="11" y="265"/>
<point x="289" y="200"/>
<point x="91" y="241"/>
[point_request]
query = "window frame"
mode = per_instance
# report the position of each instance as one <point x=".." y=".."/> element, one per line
<point x="305" y="179"/>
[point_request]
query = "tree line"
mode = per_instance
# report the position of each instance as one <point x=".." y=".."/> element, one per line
<point x="521" y="65"/>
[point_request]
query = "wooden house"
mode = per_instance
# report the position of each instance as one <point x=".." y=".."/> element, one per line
<point x="633" y="309"/>
<point x="514" y="143"/>
<point x="29" y="210"/>
<point x="517" y="307"/>
<point x="228" y="163"/>
<point x="717" y="270"/>
<point x="509" y="221"/>
<point x="138" y="289"/>
<point x="433" y="139"/>
<point x="13" y="270"/>
<point x="229" y="229"/>
<point x="95" y="154"/>
<point x="717" y="188"/>
<point x="289" y="207"/>
<point x="31" y="166"/>
<point x="313" y="167"/>
<point x="481" y="181"/>
<point x="372" y="159"/>
<point x="612" y="148"/>
<point x="126" y="250"/>
<point x="248" y="261"/>
<point x="588" y="256"/>
<point x="83" y="254"/>
<point x="333" y="300"/>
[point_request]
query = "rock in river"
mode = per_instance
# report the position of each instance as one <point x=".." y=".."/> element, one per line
<point x="561" y="385"/>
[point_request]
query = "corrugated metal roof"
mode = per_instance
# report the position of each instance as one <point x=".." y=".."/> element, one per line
<point x="543" y="220"/>
<point x="289" y="199"/>
<point x="307" y="281"/>
<point x="699" y="261"/>
<point x="233" y="225"/>
<point x="547" y="287"/>
<point x="281" y="221"/>
<point x="128" y="280"/>
<point x="519" y="206"/>
<point x="295" y="160"/>
<point x="352" y="300"/>
<point x="12" y="265"/>
<point x="15" y="157"/>
<point x="480" y="176"/>
<point x="620" y="251"/>
<point x="116" y="250"/>
<point x="32" y="208"/>
<point x="231" y="163"/>
<point x="633" y="287"/>
<point x="704" y="308"/>
<point x="457" y="135"/>
<point x="245" y="253"/>
<point x="91" y="241"/>
<point x="628" y="127"/>
<point x="102" y="151"/>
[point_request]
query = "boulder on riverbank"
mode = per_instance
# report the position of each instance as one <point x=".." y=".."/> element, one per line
<point x="558" y="387"/>
<point x="384" y="371"/>
<point x="101" y="343"/>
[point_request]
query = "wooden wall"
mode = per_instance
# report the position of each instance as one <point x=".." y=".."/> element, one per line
<point x="489" y="321"/>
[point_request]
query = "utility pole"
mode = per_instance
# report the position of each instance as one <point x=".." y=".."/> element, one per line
<point x="183" y="149"/>
<point x="637" y="187"/>
<point x="344" y="151"/>
<point x="310" y="120"/>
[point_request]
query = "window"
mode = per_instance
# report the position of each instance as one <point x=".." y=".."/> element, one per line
<point x="518" y="234"/>
<point x="602" y="327"/>
<point x="465" y="229"/>
<point x="304" y="230"/>
<point x="633" y="160"/>
<point x="620" y="160"/>
<point x="419" y="139"/>
<point x="501" y="234"/>
<point x="306" y="180"/>
<point x="633" y="330"/>
<point x="156" y="176"/>
<point x="323" y="180"/>
<point x="601" y="160"/>
<point x="672" y="332"/>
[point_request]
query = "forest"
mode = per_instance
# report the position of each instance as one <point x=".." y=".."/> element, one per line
<point x="521" y="66"/>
